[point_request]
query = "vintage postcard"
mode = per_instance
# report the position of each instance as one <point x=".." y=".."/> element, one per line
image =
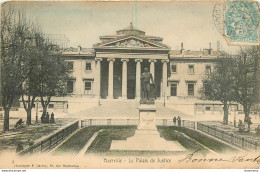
<point x="130" y="84"/>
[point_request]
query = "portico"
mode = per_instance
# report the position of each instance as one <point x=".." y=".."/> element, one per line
<point x="121" y="58"/>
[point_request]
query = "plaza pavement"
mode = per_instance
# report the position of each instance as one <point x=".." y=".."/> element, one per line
<point x="119" y="109"/>
<point x="112" y="109"/>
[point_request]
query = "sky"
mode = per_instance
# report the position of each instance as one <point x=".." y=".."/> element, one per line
<point x="83" y="22"/>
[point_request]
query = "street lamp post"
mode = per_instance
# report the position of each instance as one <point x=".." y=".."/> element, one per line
<point x="235" y="120"/>
<point x="37" y="102"/>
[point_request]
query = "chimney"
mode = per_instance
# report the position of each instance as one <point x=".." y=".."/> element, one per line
<point x="79" y="48"/>
<point x="182" y="48"/>
<point x="210" y="49"/>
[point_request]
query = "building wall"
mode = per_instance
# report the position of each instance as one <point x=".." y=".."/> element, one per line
<point x="54" y="105"/>
<point x="182" y="76"/>
<point x="79" y="75"/>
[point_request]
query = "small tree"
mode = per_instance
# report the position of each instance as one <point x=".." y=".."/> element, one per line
<point x="31" y="87"/>
<point x="54" y="76"/>
<point x="219" y="85"/>
<point x="245" y="78"/>
<point x="14" y="34"/>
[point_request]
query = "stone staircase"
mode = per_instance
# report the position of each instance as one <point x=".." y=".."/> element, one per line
<point x="124" y="109"/>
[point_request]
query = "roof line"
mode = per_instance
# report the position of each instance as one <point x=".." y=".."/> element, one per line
<point x="132" y="36"/>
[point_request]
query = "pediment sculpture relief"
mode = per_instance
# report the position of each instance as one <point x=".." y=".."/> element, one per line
<point x="131" y="43"/>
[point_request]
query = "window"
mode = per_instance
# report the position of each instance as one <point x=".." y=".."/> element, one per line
<point x="207" y="108"/>
<point x="51" y="105"/>
<point x="88" y="66"/>
<point x="208" y="70"/>
<point x="191" y="89"/>
<point x="70" y="65"/>
<point x="173" y="89"/>
<point x="70" y="85"/>
<point x="174" y="68"/>
<point x="87" y="87"/>
<point x="191" y="69"/>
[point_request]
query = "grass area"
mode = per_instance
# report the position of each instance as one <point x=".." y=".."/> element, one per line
<point x="211" y="143"/>
<point x="76" y="142"/>
<point x="9" y="141"/>
<point x="170" y="134"/>
<point x="103" y="141"/>
<point x="101" y="144"/>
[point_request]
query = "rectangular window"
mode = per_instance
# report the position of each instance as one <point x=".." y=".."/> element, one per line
<point x="70" y="65"/>
<point x="51" y="105"/>
<point x="208" y="70"/>
<point x="173" y="89"/>
<point x="174" y="68"/>
<point x="191" y="69"/>
<point x="207" y="108"/>
<point x="191" y="89"/>
<point x="88" y="66"/>
<point x="87" y="87"/>
<point x="70" y="85"/>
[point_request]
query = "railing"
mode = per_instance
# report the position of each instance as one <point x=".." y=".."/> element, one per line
<point x="51" y="141"/>
<point x="59" y="136"/>
<point x="169" y="122"/>
<point x="230" y="138"/>
<point x="90" y="122"/>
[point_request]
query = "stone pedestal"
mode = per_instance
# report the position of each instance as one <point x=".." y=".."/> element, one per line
<point x="146" y="137"/>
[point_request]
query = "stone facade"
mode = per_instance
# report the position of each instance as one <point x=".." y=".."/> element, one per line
<point x="112" y="69"/>
<point x="188" y="70"/>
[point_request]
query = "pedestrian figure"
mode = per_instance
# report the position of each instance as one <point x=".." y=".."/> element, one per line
<point x="18" y="123"/>
<point x="174" y="121"/>
<point x="47" y="117"/>
<point x="249" y="122"/>
<point x="42" y="118"/>
<point x="235" y="122"/>
<point x="241" y="126"/>
<point x="52" y="120"/>
<point x="19" y="147"/>
<point x="179" y="121"/>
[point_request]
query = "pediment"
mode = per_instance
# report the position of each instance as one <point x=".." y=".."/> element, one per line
<point x="132" y="42"/>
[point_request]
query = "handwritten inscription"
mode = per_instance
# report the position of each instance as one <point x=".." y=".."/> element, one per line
<point x="242" y="158"/>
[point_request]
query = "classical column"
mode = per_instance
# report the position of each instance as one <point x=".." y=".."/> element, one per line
<point x="124" y="78"/>
<point x="152" y="68"/>
<point x="138" y="80"/>
<point x="164" y="78"/>
<point x="110" y="78"/>
<point x="98" y="76"/>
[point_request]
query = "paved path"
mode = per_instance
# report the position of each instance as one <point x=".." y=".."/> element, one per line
<point x="89" y="142"/>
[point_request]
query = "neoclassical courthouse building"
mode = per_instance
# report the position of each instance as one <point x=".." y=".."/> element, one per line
<point x="112" y="69"/>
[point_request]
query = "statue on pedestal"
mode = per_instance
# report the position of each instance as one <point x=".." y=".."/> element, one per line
<point x="147" y="96"/>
